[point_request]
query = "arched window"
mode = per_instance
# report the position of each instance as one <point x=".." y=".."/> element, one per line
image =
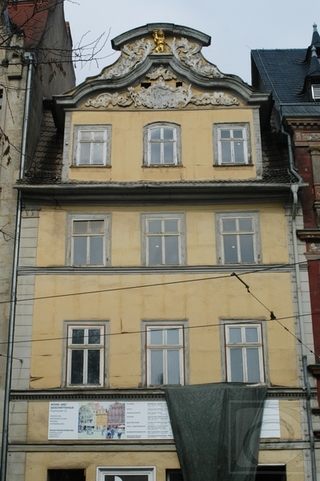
<point x="162" y="144"/>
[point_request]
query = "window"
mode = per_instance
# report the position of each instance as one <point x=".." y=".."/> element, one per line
<point x="161" y="144"/>
<point x="66" y="475"/>
<point x="126" y="474"/>
<point x="85" y="360"/>
<point x="231" y="142"/>
<point x="92" y="145"/>
<point x="90" y="245"/>
<point x="163" y="239"/>
<point x="164" y="354"/>
<point x="315" y="89"/>
<point x="269" y="472"/>
<point x="244" y="356"/>
<point x="174" y="475"/>
<point x="238" y="238"/>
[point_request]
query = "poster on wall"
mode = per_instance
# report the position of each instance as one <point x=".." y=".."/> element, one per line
<point x="109" y="420"/>
<point x="128" y="420"/>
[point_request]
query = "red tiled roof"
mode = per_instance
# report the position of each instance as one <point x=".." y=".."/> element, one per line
<point x="30" y="18"/>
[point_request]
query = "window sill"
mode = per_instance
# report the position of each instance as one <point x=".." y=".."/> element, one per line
<point x="90" y="166"/>
<point x="233" y="165"/>
<point x="162" y="166"/>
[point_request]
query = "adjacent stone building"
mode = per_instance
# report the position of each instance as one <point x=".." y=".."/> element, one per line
<point x="35" y="62"/>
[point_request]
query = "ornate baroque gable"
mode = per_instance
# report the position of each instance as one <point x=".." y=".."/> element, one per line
<point x="161" y="66"/>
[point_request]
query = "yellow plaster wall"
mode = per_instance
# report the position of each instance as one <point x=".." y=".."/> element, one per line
<point x="203" y="304"/>
<point x="126" y="233"/>
<point x="196" y="145"/>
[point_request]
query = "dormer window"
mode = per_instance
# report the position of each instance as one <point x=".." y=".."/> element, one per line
<point x="315" y="91"/>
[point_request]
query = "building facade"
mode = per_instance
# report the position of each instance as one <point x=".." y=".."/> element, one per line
<point x="157" y="270"/>
<point x="36" y="50"/>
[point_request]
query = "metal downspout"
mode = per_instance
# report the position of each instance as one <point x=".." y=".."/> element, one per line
<point x="294" y="190"/>
<point x="5" y="429"/>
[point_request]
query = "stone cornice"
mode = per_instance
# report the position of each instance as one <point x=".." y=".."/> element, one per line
<point x="48" y="395"/>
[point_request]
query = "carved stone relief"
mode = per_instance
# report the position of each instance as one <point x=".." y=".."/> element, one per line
<point x="184" y="51"/>
<point x="131" y="56"/>
<point x="161" y="96"/>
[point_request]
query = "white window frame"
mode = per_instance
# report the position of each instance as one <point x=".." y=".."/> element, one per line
<point x="315" y="90"/>
<point x="106" y="144"/>
<point x="146" y="236"/>
<point x="218" y="141"/>
<point x="72" y="218"/>
<point x="147" y="141"/>
<point x="149" y="326"/>
<point x="149" y="471"/>
<point x="255" y="232"/>
<point x="86" y="346"/>
<point x="244" y="346"/>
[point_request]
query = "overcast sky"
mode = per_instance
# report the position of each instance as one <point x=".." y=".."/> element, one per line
<point x="235" y="26"/>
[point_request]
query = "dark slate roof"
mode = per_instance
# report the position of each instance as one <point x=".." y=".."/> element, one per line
<point x="46" y="167"/>
<point x="285" y="72"/>
<point x="281" y="71"/>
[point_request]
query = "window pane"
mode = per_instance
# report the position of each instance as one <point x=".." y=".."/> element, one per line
<point x="225" y="134"/>
<point x="77" y="336"/>
<point x="173" y="366"/>
<point x="229" y="225"/>
<point x="238" y="134"/>
<point x="253" y="365"/>
<point x="245" y="225"/>
<point x="155" y="250"/>
<point x="80" y="226"/>
<point x="171" y="226"/>
<point x="85" y="135"/>
<point x="93" y="367"/>
<point x="97" y="153"/>
<point x="76" y="367"/>
<point x="155" y="134"/>
<point x="154" y="226"/>
<point x="84" y="157"/>
<point x="156" y="337"/>
<point x="156" y="368"/>
<point x="96" y="226"/>
<point x="239" y="156"/>
<point x="225" y="152"/>
<point x="167" y="134"/>
<point x="80" y="250"/>
<point x="236" y="367"/>
<point x="246" y="248"/>
<point x="171" y="250"/>
<point x="251" y="334"/>
<point x="155" y="154"/>
<point x="99" y="135"/>
<point x="173" y="336"/>
<point x="96" y="250"/>
<point x="93" y="336"/>
<point x="234" y="334"/>
<point x="230" y="249"/>
<point x="168" y="153"/>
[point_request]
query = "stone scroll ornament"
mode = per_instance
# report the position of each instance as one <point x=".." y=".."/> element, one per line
<point x="131" y="56"/>
<point x="161" y="96"/>
<point x="182" y="50"/>
<point x="190" y="55"/>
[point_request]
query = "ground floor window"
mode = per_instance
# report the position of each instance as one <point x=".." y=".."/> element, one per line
<point x="265" y="472"/>
<point x="269" y="472"/>
<point x="126" y="474"/>
<point x="66" y="475"/>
